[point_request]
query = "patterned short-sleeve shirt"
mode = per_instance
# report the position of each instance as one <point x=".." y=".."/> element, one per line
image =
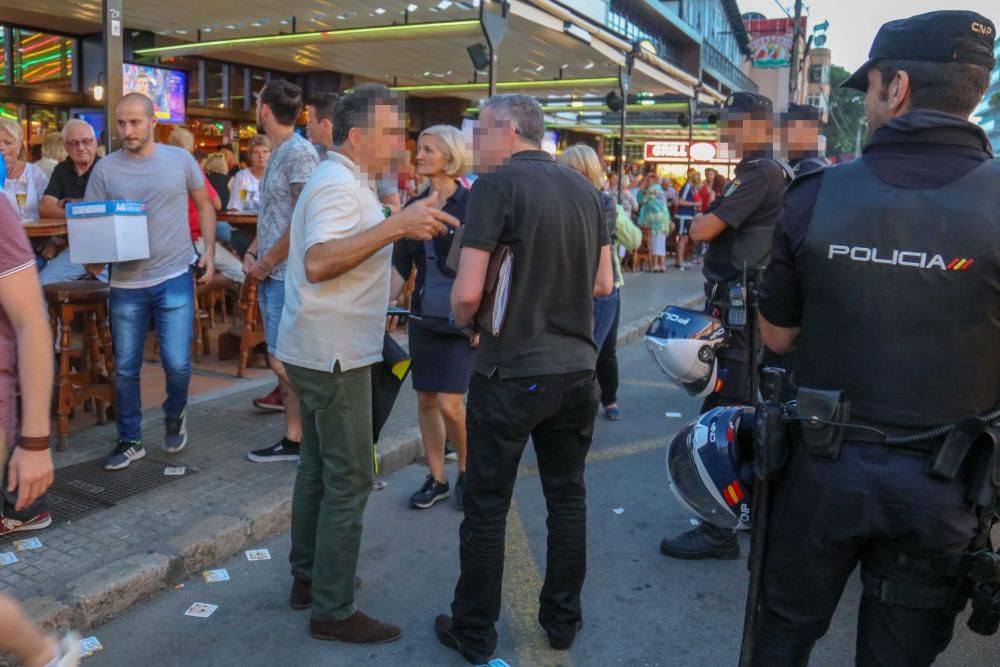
<point x="294" y="161"/>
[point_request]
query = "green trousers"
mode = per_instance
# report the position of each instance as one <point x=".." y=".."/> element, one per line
<point x="334" y="479"/>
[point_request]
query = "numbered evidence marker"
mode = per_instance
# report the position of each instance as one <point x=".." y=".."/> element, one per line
<point x="201" y="610"/>
<point x="258" y="554"/>
<point x="28" y="545"/>
<point x="89" y="647"/>
<point x="7" y="558"/>
<point x="213" y="576"/>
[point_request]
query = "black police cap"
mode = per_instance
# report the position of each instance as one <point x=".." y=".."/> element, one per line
<point x="943" y="37"/>
<point x="802" y="112"/>
<point x="748" y="103"/>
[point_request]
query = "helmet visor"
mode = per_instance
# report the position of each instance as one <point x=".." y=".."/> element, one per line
<point x="692" y="485"/>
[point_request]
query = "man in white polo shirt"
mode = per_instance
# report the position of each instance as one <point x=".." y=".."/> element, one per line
<point x="331" y="332"/>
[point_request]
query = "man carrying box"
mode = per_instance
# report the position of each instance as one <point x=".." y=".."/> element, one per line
<point x="160" y="287"/>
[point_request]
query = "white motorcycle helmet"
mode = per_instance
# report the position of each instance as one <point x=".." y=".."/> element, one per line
<point x="683" y="343"/>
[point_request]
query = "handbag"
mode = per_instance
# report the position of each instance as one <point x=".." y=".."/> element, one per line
<point x="435" y="296"/>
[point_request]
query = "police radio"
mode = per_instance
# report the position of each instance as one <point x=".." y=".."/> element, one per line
<point x="736" y="311"/>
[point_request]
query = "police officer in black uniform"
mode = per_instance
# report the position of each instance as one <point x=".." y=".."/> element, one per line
<point x="885" y="276"/>
<point x="739" y="226"/>
<point x="799" y="138"/>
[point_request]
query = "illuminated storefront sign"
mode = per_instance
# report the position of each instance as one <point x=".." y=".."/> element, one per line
<point x="680" y="151"/>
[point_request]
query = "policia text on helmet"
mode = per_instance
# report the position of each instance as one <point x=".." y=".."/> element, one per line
<point x="893" y="446"/>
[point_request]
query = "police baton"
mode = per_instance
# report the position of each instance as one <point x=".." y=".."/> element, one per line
<point x="761" y="487"/>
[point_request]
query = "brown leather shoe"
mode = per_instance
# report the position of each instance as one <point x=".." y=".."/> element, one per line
<point x="302" y="596"/>
<point x="355" y="629"/>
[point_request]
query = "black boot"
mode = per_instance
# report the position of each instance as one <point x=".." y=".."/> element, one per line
<point x="705" y="541"/>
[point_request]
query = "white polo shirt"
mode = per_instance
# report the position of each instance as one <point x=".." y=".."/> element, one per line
<point x="341" y="319"/>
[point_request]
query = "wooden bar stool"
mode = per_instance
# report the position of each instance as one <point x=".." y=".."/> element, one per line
<point x="95" y="379"/>
<point x="247" y="324"/>
<point x="207" y="296"/>
<point x="644" y="253"/>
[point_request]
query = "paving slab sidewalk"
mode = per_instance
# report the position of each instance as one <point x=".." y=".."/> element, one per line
<point x="95" y="567"/>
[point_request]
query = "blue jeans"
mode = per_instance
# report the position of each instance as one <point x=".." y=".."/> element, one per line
<point x="171" y="306"/>
<point x="605" y="308"/>
<point x="61" y="269"/>
<point x="271" y="299"/>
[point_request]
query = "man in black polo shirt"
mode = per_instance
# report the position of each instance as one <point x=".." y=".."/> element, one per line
<point x="536" y="379"/>
<point x="68" y="183"/>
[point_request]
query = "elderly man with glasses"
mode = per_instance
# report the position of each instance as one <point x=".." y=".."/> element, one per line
<point x="67" y="184"/>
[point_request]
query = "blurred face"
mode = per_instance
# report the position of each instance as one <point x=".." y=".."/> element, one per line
<point x="259" y="156"/>
<point x="381" y="146"/>
<point x="800" y="136"/>
<point x="709" y="176"/>
<point x="230" y="158"/>
<point x="134" y="126"/>
<point x="9" y="146"/>
<point x="432" y="156"/>
<point x="493" y="141"/>
<point x="81" y="145"/>
<point x="142" y="86"/>
<point x="743" y="132"/>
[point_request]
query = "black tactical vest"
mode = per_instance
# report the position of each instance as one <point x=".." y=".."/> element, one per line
<point x="902" y="296"/>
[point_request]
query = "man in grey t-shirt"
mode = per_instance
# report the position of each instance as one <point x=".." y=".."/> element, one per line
<point x="292" y="162"/>
<point x="160" y="287"/>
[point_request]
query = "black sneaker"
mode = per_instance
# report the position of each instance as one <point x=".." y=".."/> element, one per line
<point x="460" y="492"/>
<point x="176" y="436"/>
<point x="431" y="492"/>
<point x="705" y="541"/>
<point x="125" y="452"/>
<point x="283" y="450"/>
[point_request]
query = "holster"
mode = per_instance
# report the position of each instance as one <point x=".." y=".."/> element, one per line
<point x="823" y="415"/>
<point x="770" y="442"/>
<point x="974" y="441"/>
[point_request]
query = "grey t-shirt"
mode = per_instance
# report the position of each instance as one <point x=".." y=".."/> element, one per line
<point x="294" y="161"/>
<point x="163" y="181"/>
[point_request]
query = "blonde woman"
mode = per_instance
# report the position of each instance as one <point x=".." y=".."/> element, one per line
<point x="25" y="181"/>
<point x="53" y="152"/>
<point x="607" y="309"/>
<point x="217" y="171"/>
<point x="245" y="187"/>
<point x="442" y="355"/>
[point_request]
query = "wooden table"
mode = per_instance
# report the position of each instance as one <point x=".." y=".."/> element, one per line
<point x="237" y="218"/>
<point x="45" y="227"/>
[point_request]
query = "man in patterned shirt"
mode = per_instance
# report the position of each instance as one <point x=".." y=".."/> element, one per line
<point x="292" y="162"/>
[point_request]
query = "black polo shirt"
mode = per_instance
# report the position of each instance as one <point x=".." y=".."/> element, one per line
<point x="750" y="206"/>
<point x="918" y="150"/>
<point x="65" y="183"/>
<point x="551" y="218"/>
<point x="408" y="252"/>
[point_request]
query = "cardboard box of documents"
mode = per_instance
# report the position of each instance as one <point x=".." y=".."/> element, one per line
<point x="107" y="231"/>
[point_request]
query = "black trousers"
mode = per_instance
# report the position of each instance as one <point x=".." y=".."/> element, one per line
<point x="827" y="518"/>
<point x="607" y="362"/>
<point x="558" y="413"/>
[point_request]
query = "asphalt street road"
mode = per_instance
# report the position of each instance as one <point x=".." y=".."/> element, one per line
<point x="640" y="608"/>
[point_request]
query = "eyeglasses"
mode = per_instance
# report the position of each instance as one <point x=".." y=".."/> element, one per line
<point x="80" y="143"/>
